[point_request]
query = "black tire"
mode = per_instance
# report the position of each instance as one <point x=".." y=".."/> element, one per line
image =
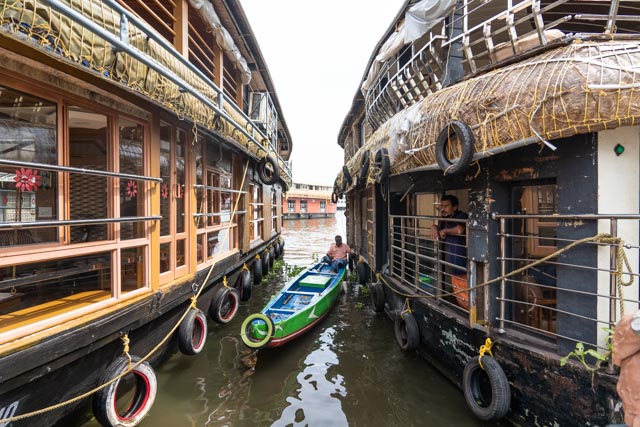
<point x="224" y="304"/>
<point x="407" y="333"/>
<point x="334" y="197"/>
<point x="383" y="165"/>
<point x="276" y="250"/>
<point x="282" y="247"/>
<point x="363" y="272"/>
<point x="265" y="262"/>
<point x="377" y="297"/>
<point x="465" y="137"/>
<point x="272" y="257"/>
<point x="486" y="390"/>
<point x="243" y="285"/>
<point x="105" y="407"/>
<point x="257" y="271"/>
<point x="268" y="176"/>
<point x="346" y="178"/>
<point x="192" y="333"/>
<point x="364" y="168"/>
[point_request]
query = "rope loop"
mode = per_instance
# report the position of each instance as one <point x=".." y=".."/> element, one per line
<point x="406" y="307"/>
<point x="244" y="267"/>
<point x="485" y="348"/>
<point x="224" y="282"/>
<point x="194" y="300"/>
<point x="125" y="344"/>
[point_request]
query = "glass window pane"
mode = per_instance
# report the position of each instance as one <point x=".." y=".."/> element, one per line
<point x="165" y="174"/>
<point x="180" y="179"/>
<point x="165" y="257"/>
<point x="132" y="269"/>
<point x="180" y="253"/>
<point x="88" y="195"/>
<point x="132" y="194"/>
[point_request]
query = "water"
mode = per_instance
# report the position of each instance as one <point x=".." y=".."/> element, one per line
<point x="347" y="371"/>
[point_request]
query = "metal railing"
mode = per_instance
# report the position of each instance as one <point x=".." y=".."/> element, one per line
<point x="121" y="42"/>
<point x="488" y="35"/>
<point x="566" y="292"/>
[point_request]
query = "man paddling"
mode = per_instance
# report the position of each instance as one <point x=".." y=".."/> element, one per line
<point x="337" y="254"/>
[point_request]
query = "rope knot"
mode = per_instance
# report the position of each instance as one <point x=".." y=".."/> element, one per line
<point x="224" y="282"/>
<point x="194" y="300"/>
<point x="485" y="348"/>
<point x="244" y="267"/>
<point x="125" y="344"/>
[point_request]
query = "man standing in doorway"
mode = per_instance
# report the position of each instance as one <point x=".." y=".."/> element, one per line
<point x="452" y="235"/>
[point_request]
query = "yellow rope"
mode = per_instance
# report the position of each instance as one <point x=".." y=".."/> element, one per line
<point x="485" y="348"/>
<point x="125" y="344"/>
<point x="406" y="308"/>
<point x="194" y="299"/>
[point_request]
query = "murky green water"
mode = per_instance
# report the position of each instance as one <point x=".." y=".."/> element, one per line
<point x="346" y="371"/>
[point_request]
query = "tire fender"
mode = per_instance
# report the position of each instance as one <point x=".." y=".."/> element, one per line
<point x="485" y="407"/>
<point x="334" y="197"/>
<point x="407" y="332"/>
<point x="383" y="165"/>
<point x="265" y="262"/>
<point x="364" y="168"/>
<point x="377" y="297"/>
<point x="272" y="257"/>
<point x="257" y="270"/>
<point x="246" y="335"/>
<point x="243" y="284"/>
<point x="146" y="387"/>
<point x="463" y="133"/>
<point x="224" y="304"/>
<point x="363" y="272"/>
<point x="192" y="332"/>
<point x="268" y="177"/>
<point x="346" y="178"/>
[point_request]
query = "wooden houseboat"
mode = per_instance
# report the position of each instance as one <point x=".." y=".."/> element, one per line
<point x="308" y="201"/>
<point x="141" y="181"/>
<point x="528" y="112"/>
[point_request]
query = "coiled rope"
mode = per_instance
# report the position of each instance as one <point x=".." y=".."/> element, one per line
<point x="125" y="338"/>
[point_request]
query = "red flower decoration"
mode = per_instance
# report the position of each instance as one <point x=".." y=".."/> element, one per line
<point x="132" y="189"/>
<point x="164" y="191"/>
<point x="27" y="180"/>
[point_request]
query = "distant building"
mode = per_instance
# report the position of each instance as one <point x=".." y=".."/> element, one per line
<point x="308" y="201"/>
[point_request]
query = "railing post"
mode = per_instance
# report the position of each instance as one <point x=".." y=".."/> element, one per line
<point x="439" y="281"/>
<point x="503" y="271"/>
<point x="613" y="290"/>
<point x="402" y="248"/>
<point x="611" y="20"/>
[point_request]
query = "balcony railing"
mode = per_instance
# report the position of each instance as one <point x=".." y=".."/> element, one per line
<point x="484" y="34"/>
<point x="542" y="288"/>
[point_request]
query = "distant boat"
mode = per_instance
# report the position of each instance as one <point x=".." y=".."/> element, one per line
<point x="300" y="305"/>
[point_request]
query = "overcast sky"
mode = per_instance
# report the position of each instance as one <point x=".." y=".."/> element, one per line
<point x="316" y="53"/>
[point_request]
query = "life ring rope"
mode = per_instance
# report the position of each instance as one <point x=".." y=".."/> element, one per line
<point x="132" y="366"/>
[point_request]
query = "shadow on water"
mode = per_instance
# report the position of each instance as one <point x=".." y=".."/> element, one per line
<point x="348" y="370"/>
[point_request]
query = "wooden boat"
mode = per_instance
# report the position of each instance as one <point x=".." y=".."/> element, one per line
<point x="526" y="111"/>
<point x="143" y="162"/>
<point x="299" y="306"/>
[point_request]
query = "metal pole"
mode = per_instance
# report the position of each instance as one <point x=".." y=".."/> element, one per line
<point x="503" y="271"/>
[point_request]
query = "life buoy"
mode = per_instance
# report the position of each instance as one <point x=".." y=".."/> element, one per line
<point x="465" y="137"/>
<point x="246" y="335"/>
<point x="265" y="261"/>
<point x="486" y="403"/>
<point x="105" y="407"/>
<point x="346" y="178"/>
<point x="224" y="304"/>
<point x="268" y="176"/>
<point x="192" y="333"/>
<point x="334" y="197"/>
<point x="407" y="333"/>
<point x="243" y="284"/>
<point x="256" y="267"/>
<point x="272" y="257"/>
<point x="377" y="297"/>
<point x="364" y="168"/>
<point x="363" y="272"/>
<point x="383" y="165"/>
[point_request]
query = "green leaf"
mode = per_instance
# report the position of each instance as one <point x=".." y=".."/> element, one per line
<point x="595" y="354"/>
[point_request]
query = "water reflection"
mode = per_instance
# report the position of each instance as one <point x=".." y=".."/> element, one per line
<point x="347" y="371"/>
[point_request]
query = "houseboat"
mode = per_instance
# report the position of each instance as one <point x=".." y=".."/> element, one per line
<point x="492" y="182"/>
<point x="308" y="201"/>
<point x="143" y="162"/>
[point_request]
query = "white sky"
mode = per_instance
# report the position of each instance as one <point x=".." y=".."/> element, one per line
<point x="316" y="53"/>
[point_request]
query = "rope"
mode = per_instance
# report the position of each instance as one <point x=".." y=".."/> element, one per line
<point x="125" y="337"/>
<point x="599" y="238"/>
<point x="125" y="344"/>
<point x="485" y="348"/>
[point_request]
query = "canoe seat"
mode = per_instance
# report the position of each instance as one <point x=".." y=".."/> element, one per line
<point x="315" y="281"/>
<point x="302" y="293"/>
<point x="281" y="310"/>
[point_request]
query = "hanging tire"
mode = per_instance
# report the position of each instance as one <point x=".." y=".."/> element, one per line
<point x="257" y="271"/>
<point x="465" y="137"/>
<point x="377" y="297"/>
<point x="476" y="390"/>
<point x="105" y="404"/>
<point x="268" y="170"/>
<point x="383" y="165"/>
<point x="407" y="333"/>
<point x="346" y="178"/>
<point x="276" y="250"/>
<point x="224" y="304"/>
<point x="334" y="197"/>
<point x="192" y="333"/>
<point x="265" y="262"/>
<point x="282" y="247"/>
<point x="243" y="285"/>
<point x="246" y="336"/>
<point x="272" y="257"/>
<point x="364" y="168"/>
<point x="363" y="272"/>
